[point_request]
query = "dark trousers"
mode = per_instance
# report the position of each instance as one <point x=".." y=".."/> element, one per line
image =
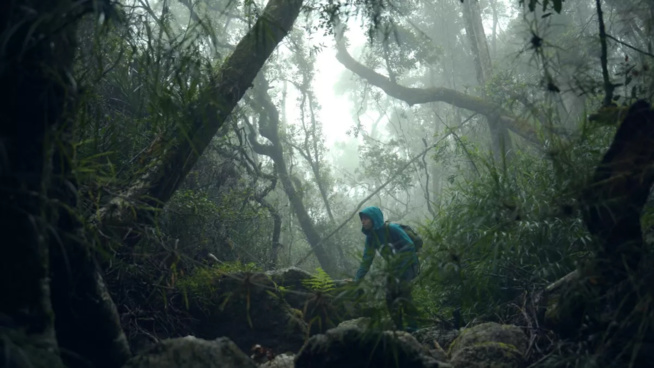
<point x="399" y="301"/>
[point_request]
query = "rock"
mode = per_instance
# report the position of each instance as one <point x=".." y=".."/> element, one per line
<point x="320" y="310"/>
<point x="489" y="345"/>
<point x="490" y="332"/>
<point x="361" y="322"/>
<point x="431" y="336"/>
<point x="191" y="352"/>
<point x="248" y="309"/>
<point x="345" y="347"/>
<point x="488" y="354"/>
<point x="280" y="361"/>
<point x="290" y="279"/>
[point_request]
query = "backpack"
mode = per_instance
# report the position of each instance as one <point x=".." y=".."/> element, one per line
<point x="415" y="237"/>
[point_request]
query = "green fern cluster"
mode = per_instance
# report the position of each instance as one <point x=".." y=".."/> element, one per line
<point x="319" y="282"/>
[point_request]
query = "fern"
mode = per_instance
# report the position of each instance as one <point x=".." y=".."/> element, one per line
<point x="319" y="282"/>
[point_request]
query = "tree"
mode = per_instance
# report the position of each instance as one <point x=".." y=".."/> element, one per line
<point x="269" y="128"/>
<point x="38" y="192"/>
<point x="500" y="139"/>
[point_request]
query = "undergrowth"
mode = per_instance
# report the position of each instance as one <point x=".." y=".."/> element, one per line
<point x="511" y="230"/>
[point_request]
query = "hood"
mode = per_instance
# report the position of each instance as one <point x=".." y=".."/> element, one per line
<point x="375" y="214"/>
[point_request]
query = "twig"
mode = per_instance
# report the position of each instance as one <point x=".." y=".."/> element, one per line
<point x="608" y="86"/>
<point x="629" y="46"/>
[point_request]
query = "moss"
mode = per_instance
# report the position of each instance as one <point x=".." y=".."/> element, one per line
<point x="488" y="333"/>
<point x="201" y="286"/>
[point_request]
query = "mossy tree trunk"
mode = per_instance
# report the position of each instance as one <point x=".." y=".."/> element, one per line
<point x="37" y="193"/>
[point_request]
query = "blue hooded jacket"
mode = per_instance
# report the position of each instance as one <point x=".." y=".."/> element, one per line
<point x="380" y="238"/>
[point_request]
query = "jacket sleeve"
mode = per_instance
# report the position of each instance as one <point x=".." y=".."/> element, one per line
<point x="366" y="261"/>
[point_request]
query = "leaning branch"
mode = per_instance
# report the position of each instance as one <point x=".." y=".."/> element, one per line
<point x="414" y="96"/>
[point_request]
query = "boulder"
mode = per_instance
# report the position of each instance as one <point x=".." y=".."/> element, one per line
<point x="191" y="352"/>
<point x="248" y="308"/>
<point x="345" y="347"/>
<point x="280" y="361"/>
<point x="320" y="310"/>
<point x="361" y="322"/>
<point x="432" y="336"/>
<point x="292" y="288"/>
<point x="489" y="345"/>
<point x="488" y="354"/>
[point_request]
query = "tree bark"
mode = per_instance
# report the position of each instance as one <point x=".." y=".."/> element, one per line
<point x="413" y="96"/>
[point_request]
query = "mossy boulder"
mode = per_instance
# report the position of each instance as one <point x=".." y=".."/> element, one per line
<point x="490" y="332"/>
<point x="291" y="282"/>
<point x="280" y="361"/>
<point x="346" y="347"/>
<point x="432" y="336"/>
<point x="488" y="355"/>
<point x="191" y="352"/>
<point x="248" y="308"/>
<point x="489" y="345"/>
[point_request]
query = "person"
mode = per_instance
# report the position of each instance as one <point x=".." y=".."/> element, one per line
<point x="396" y="247"/>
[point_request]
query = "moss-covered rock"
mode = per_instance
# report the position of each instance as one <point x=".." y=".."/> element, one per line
<point x="291" y="282"/>
<point x="361" y="322"/>
<point x="280" y="361"/>
<point x="248" y="308"/>
<point x="488" y="355"/>
<point x="346" y="347"/>
<point x="490" y="332"/>
<point x="434" y="336"/>
<point x="191" y="352"/>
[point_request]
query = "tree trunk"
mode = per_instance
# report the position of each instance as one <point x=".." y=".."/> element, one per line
<point x="30" y="111"/>
<point x="38" y="194"/>
<point x="500" y="139"/>
<point x="269" y="128"/>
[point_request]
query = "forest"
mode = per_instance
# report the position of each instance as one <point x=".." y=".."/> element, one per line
<point x="186" y="183"/>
